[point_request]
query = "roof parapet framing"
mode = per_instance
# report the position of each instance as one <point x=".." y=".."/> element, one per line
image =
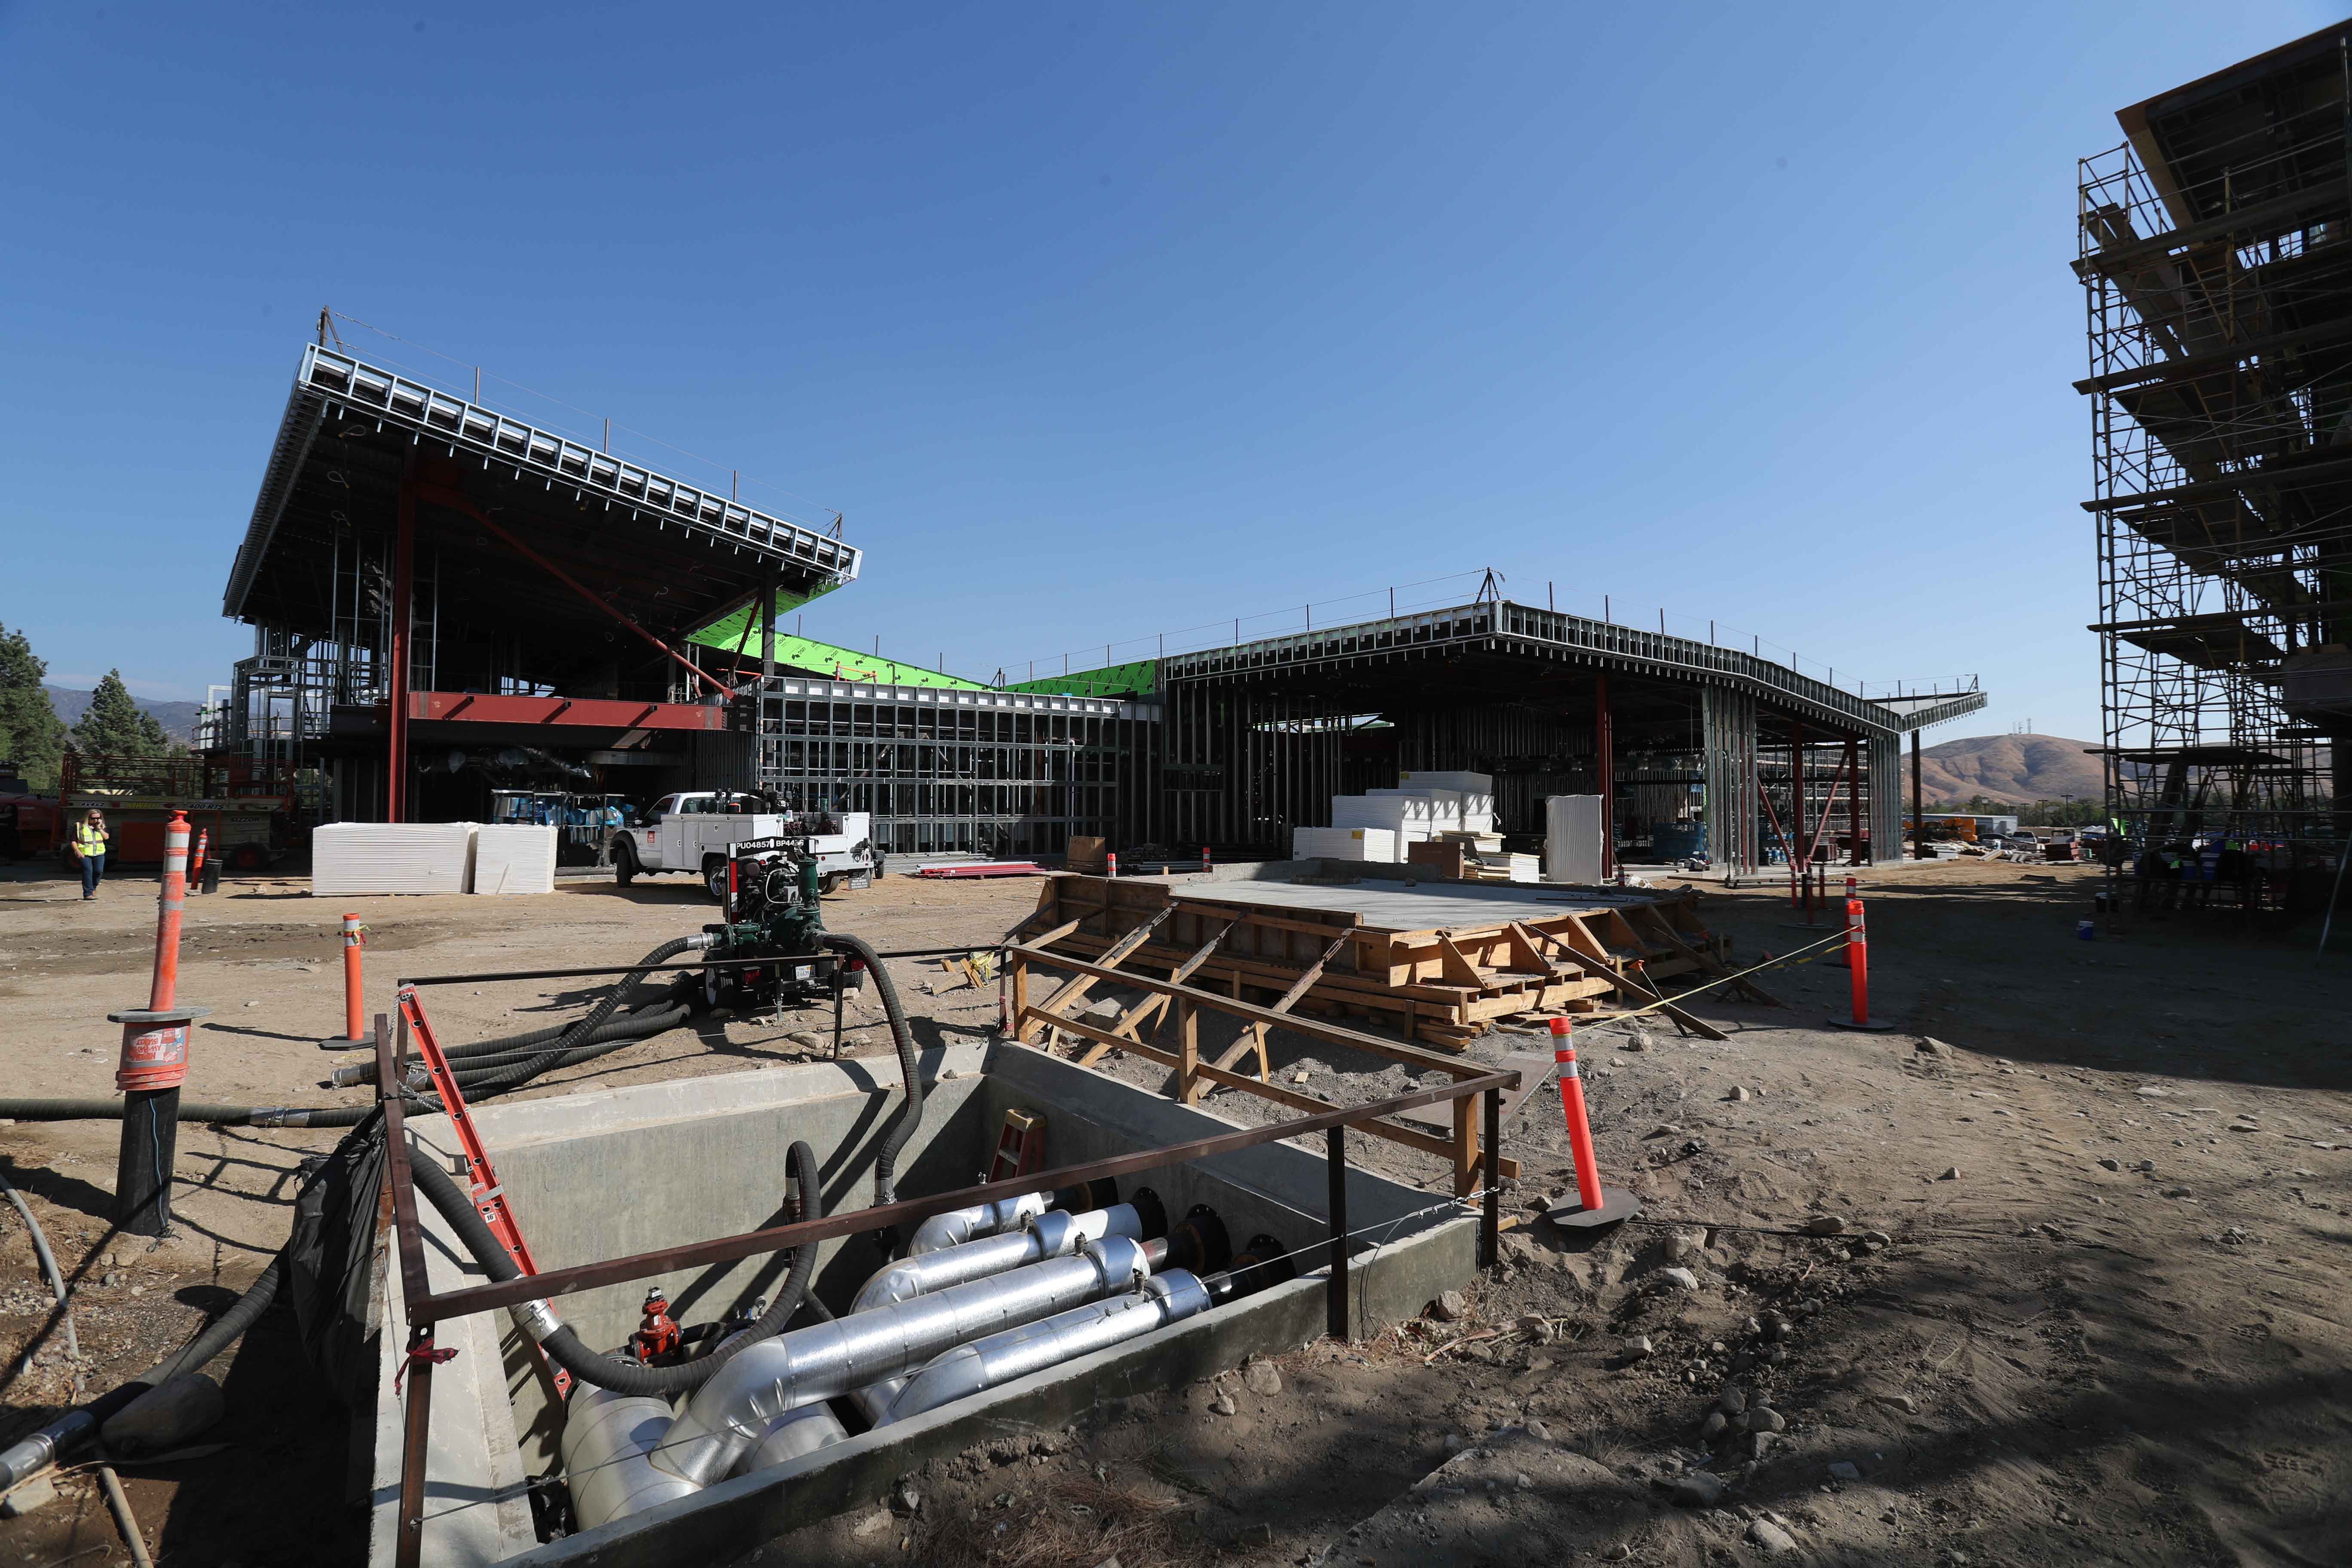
<point x="1629" y="647"/>
<point x="326" y="378"/>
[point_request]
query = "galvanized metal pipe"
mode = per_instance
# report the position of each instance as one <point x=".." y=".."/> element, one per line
<point x="956" y="1227"/>
<point x="731" y="1412"/>
<point x="1053" y="1234"/>
<point x="1016" y="1352"/>
<point x="793" y="1434"/>
<point x="608" y="1441"/>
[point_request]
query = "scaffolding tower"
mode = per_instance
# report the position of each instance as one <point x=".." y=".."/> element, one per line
<point x="2218" y="284"/>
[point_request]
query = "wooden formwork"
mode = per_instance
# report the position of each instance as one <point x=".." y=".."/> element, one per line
<point x="1443" y="986"/>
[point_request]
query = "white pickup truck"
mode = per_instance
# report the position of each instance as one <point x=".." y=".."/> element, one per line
<point x="694" y="832"/>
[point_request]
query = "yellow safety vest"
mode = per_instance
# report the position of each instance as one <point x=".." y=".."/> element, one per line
<point x="88" y="841"/>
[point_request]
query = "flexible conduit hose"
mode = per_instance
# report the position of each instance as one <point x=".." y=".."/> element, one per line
<point x="35" y="1453"/>
<point x="482" y="1066"/>
<point x="910" y="1116"/>
<point x="581" y="1029"/>
<point x="564" y="1346"/>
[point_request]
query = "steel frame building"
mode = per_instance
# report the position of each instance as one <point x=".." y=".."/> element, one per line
<point x="1260" y="734"/>
<point x="432" y="583"/>
<point x="962" y="771"/>
<point x="2217" y="288"/>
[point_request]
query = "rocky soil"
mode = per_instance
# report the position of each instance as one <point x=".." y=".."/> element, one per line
<point x="2051" y="1273"/>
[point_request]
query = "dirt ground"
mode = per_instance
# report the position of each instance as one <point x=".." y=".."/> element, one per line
<point x="2083" y="1302"/>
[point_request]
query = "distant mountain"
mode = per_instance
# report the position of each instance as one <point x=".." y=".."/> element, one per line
<point x="2018" y="770"/>
<point x="178" y="719"/>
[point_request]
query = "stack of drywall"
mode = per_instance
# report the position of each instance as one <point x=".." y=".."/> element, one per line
<point x="1444" y="806"/>
<point x="1405" y="815"/>
<point x="514" y="858"/>
<point x="392" y="858"/>
<point x="1342" y="843"/>
<point x="1477" y="792"/>
<point x="1492" y="866"/>
<point x="1572" y="838"/>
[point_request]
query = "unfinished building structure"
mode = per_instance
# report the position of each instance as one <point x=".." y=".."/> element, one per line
<point x="2219" y="311"/>
<point x="1672" y="732"/>
<point x="446" y="599"/>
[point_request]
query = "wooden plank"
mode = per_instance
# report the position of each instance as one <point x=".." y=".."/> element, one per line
<point x="1457" y="968"/>
<point x="1524" y="953"/>
<point x="1248" y="914"/>
<point x="1707" y="961"/>
<point x="1074" y="990"/>
<point x="1188" y="1051"/>
<point x="1282" y="1094"/>
<point x="1683" y="1021"/>
<point x="1331" y="1033"/>
<point x="1130" y="1027"/>
<point x="1253" y="1035"/>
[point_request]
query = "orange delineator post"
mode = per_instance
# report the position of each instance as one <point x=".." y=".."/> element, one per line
<point x="196" y="861"/>
<point x="1572" y="1105"/>
<point x="355" y="1035"/>
<point x="354" y="937"/>
<point x="1857" y="958"/>
<point x="155" y="1061"/>
<point x="1595" y="1204"/>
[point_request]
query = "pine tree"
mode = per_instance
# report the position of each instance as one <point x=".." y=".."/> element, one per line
<point x="31" y="734"/>
<point x="115" y="726"/>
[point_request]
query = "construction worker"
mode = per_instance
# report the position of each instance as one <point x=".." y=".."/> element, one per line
<point x="89" y="836"/>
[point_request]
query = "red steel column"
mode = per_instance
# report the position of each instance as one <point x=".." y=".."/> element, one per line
<point x="1604" y="746"/>
<point x="403" y="594"/>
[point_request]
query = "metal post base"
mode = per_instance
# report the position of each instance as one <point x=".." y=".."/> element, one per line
<point x="1862" y="1028"/>
<point x="1616" y="1205"/>
<point x="339" y="1043"/>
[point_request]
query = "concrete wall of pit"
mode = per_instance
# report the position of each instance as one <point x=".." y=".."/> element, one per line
<point x="606" y="1173"/>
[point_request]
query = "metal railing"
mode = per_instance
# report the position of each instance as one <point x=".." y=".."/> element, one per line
<point x="425" y="1308"/>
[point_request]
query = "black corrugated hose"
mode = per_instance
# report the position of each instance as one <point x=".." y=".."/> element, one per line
<point x="569" y="1044"/>
<point x="563" y="1346"/>
<point x="911" y="1115"/>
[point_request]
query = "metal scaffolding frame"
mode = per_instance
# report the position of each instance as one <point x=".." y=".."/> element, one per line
<point x="2218" y="294"/>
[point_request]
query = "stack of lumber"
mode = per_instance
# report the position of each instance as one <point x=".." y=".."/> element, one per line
<point x="347" y="858"/>
<point x="1443" y="985"/>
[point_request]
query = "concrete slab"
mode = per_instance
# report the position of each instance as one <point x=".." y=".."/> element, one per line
<point x="1424" y="906"/>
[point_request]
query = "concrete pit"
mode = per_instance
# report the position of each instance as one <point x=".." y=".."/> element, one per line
<point x="607" y="1174"/>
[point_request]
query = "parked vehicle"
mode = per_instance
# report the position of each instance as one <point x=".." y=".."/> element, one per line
<point x="695" y="831"/>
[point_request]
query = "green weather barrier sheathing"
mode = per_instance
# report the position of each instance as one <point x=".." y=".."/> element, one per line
<point x="829" y="662"/>
<point x="1139" y="677"/>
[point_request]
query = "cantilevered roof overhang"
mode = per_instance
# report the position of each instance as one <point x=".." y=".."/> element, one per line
<point x="657" y="551"/>
<point x="1499" y="651"/>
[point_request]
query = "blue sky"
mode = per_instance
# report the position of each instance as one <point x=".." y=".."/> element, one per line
<point x="1101" y="320"/>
